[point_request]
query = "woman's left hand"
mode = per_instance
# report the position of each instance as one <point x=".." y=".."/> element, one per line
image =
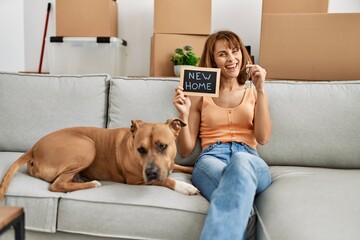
<point x="258" y="75"/>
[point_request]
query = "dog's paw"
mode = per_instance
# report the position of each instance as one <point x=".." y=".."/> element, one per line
<point x="186" y="188"/>
<point x="96" y="183"/>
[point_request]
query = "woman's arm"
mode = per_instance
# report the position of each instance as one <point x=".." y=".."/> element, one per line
<point x="189" y="113"/>
<point x="262" y="119"/>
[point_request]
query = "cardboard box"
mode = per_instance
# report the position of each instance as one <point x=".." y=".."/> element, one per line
<point x="311" y="46"/>
<point x="86" y="18"/>
<point x="182" y="17"/>
<point x="295" y="6"/>
<point x="164" y="45"/>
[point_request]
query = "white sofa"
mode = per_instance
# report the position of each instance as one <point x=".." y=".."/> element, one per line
<point x="314" y="156"/>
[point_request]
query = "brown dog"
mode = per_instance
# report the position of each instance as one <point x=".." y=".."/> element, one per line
<point x="142" y="154"/>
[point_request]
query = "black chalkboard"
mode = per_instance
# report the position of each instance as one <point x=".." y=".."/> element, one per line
<point x="200" y="81"/>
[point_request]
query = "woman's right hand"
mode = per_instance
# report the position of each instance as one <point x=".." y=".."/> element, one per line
<point x="182" y="102"/>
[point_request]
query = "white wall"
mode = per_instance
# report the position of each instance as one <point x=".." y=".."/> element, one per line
<point x="136" y="27"/>
<point x="22" y="30"/>
<point x="34" y="26"/>
<point x="11" y="35"/>
<point x="344" y="6"/>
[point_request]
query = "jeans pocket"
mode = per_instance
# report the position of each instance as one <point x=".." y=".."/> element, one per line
<point x="206" y="150"/>
<point x="209" y="148"/>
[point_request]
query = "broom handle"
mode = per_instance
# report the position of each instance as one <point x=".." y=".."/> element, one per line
<point x="43" y="42"/>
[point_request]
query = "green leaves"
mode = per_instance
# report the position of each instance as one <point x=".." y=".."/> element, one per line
<point x="185" y="56"/>
<point x="188" y="48"/>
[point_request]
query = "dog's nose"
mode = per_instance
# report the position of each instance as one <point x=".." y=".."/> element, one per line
<point x="152" y="173"/>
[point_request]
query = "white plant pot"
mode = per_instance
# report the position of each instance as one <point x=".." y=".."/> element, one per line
<point x="177" y="69"/>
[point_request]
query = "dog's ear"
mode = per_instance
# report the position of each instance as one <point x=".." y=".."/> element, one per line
<point x="135" y="124"/>
<point x="175" y="125"/>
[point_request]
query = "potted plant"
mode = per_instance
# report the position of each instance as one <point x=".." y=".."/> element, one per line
<point x="184" y="56"/>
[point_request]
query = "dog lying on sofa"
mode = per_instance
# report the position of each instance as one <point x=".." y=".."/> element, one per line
<point x="142" y="154"/>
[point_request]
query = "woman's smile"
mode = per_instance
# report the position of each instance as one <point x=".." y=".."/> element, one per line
<point x="231" y="67"/>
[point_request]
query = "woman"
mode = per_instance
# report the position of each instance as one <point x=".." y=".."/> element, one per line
<point x="228" y="172"/>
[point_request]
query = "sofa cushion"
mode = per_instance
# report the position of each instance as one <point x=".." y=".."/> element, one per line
<point x="314" y="124"/>
<point x="310" y="203"/>
<point x="133" y="212"/>
<point x="40" y="205"/>
<point x="147" y="99"/>
<point x="33" y="105"/>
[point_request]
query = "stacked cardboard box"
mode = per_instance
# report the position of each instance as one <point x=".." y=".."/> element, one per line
<point x="295" y="6"/>
<point x="176" y="24"/>
<point x="86" y="18"/>
<point x="301" y="41"/>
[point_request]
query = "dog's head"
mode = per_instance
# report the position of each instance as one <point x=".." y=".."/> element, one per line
<point x="155" y="145"/>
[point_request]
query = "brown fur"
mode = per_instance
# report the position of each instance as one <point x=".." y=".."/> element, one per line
<point x="143" y="154"/>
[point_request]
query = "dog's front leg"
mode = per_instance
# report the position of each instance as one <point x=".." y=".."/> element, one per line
<point x="178" y="186"/>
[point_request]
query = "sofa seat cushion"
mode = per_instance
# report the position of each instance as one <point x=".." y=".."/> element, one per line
<point x="33" y="105"/>
<point x="133" y="211"/>
<point x="40" y="205"/>
<point x="310" y="203"/>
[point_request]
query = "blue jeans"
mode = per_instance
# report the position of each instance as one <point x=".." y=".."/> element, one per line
<point x="229" y="175"/>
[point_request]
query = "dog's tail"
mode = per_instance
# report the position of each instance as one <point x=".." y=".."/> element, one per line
<point x="25" y="158"/>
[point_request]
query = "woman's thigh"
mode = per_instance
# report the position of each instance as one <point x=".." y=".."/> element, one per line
<point x="210" y="166"/>
<point x="253" y="164"/>
<point x="207" y="174"/>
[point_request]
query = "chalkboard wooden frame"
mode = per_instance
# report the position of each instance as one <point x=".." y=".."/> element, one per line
<point x="195" y="83"/>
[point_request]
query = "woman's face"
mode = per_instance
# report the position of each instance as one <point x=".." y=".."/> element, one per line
<point x="228" y="59"/>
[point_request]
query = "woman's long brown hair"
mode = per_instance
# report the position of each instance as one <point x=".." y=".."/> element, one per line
<point x="232" y="40"/>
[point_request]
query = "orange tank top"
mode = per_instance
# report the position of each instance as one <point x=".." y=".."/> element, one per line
<point x="228" y="124"/>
